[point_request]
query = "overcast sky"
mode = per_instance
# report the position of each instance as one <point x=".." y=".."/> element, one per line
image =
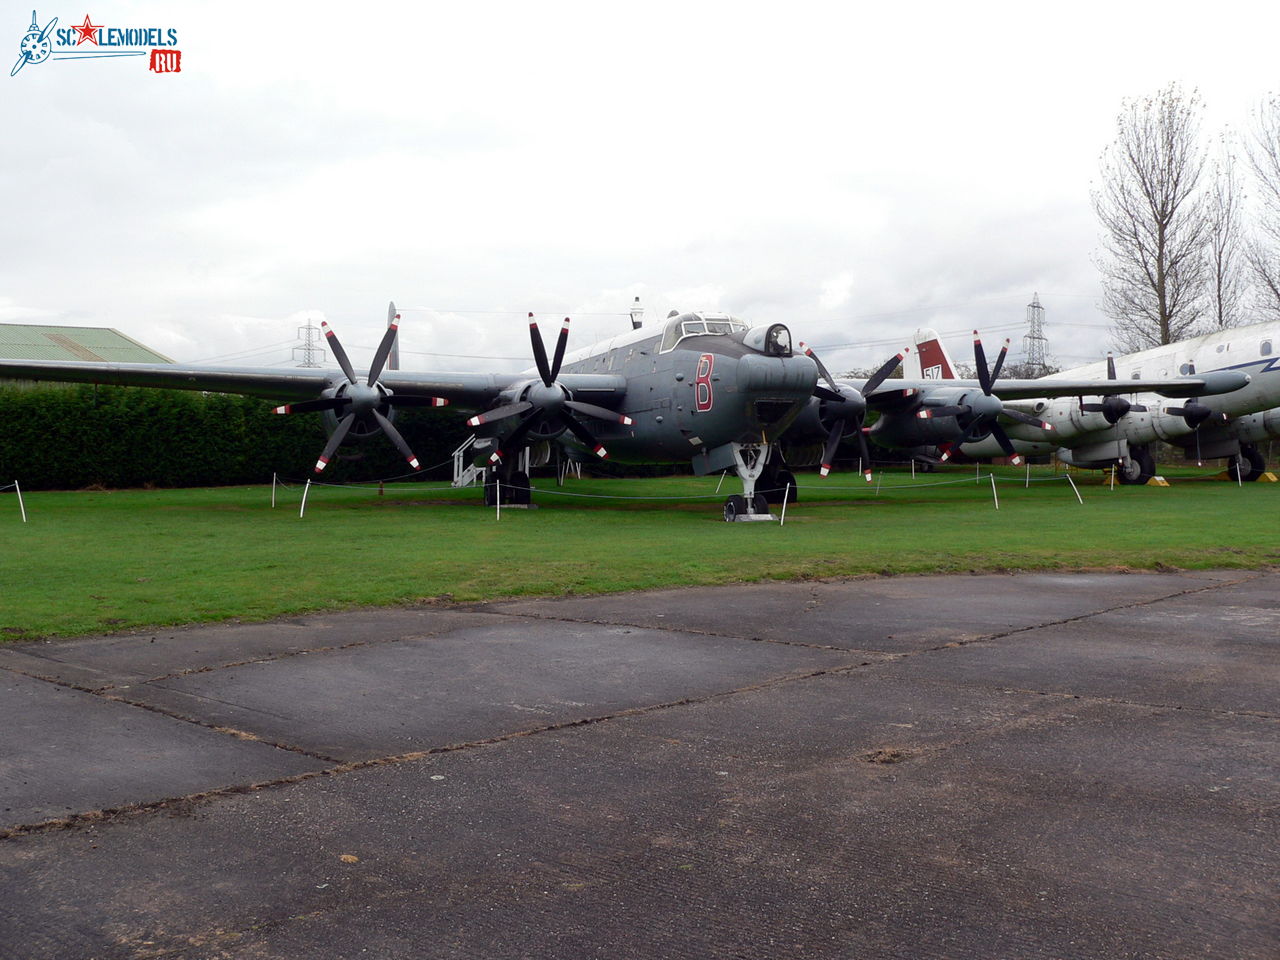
<point x="856" y="171"/>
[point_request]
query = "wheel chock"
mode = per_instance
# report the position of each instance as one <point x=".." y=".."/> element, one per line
<point x="1157" y="481"/>
<point x="1267" y="477"/>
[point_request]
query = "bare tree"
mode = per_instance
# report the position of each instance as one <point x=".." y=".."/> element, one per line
<point x="1153" y="269"/>
<point x="1223" y="238"/>
<point x="1264" y="247"/>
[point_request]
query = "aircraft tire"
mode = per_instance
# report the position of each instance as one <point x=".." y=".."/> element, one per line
<point x="734" y="507"/>
<point x="778" y="488"/>
<point x="519" y="487"/>
<point x="1248" y="465"/>
<point x="1137" y="468"/>
<point x="760" y="504"/>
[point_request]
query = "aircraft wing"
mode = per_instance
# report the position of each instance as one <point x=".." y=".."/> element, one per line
<point x="294" y="383"/>
<point x="890" y="392"/>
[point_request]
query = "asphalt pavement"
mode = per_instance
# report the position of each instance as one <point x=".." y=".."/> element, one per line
<point x="1005" y="766"/>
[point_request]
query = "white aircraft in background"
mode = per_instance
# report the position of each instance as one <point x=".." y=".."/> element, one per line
<point x="1117" y="428"/>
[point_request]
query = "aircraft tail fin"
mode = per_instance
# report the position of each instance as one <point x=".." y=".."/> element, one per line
<point x="930" y="360"/>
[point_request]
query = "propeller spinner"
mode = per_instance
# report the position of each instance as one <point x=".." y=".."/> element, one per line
<point x="846" y="409"/>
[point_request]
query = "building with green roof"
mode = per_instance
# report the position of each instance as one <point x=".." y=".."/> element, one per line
<point x="34" y="341"/>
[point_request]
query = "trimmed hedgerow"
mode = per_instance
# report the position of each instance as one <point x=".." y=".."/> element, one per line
<point x="79" y="436"/>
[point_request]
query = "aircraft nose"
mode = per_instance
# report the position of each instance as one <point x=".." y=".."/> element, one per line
<point x="794" y="376"/>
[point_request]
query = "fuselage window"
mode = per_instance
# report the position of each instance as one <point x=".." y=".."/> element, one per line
<point x="1136" y="375"/>
<point x="1265" y="348"/>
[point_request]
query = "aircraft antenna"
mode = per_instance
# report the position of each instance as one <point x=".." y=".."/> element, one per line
<point x="311" y="353"/>
<point x="1034" y="342"/>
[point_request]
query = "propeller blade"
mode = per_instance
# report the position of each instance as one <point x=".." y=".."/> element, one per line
<point x="584" y="435"/>
<point x="384" y="351"/>
<point x="1006" y="444"/>
<point x="338" y="353"/>
<point x="539" y="352"/>
<point x="598" y="413"/>
<point x="1137" y="407"/>
<point x="1027" y="418"/>
<point x="335" y="439"/>
<point x="882" y="374"/>
<point x="1111" y="367"/>
<point x="1091" y="407"/>
<point x="559" y="354"/>
<point x="305" y="406"/>
<point x="500" y="413"/>
<point x="822" y="393"/>
<point x="402" y="400"/>
<point x="829" y="451"/>
<point x="1004" y="350"/>
<point x="865" y="451"/>
<point x="822" y="370"/>
<point x="950" y="410"/>
<point x="390" y="430"/>
<point x="516" y="440"/>
<point x="980" y="361"/>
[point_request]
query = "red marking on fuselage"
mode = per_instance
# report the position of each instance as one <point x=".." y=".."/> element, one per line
<point x="703" y="397"/>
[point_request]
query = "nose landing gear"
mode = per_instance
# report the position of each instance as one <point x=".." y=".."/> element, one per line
<point x="750" y="459"/>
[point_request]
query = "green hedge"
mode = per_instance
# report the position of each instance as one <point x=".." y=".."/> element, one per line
<point x="79" y="436"/>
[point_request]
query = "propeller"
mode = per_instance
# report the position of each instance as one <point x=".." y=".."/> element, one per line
<point x="981" y="415"/>
<point x="1112" y="407"/>
<point x="846" y="409"/>
<point x="366" y="402"/>
<point x="546" y="404"/>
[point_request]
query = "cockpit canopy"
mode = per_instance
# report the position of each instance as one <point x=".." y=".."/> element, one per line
<point x="698" y="325"/>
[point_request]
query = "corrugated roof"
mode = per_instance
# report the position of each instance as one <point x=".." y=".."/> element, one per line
<point x="32" y="341"/>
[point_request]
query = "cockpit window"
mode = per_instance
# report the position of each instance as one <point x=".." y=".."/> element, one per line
<point x="695" y="325"/>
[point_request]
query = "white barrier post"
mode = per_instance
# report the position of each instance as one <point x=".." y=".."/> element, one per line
<point x="1027" y="485"/>
<point x="497" y="496"/>
<point x="273" y="491"/>
<point x="722" y="473"/>
<point x="786" y="495"/>
<point x="307" y="489"/>
<point x="21" y="506"/>
<point x="879" y="477"/>
<point x="994" y="495"/>
<point x="1074" y="490"/>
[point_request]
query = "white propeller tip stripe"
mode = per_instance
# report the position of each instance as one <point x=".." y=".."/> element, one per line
<point x="439" y="402"/>
<point x="627" y="421"/>
<point x="413" y="462"/>
<point x="473" y="422"/>
<point x="321" y="464"/>
<point x="284" y="409"/>
<point x="824" y="471"/>
<point x="601" y="452"/>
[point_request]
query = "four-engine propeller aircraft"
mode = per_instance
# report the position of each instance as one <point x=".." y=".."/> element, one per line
<point x="1100" y="429"/>
<point x="704" y="389"/>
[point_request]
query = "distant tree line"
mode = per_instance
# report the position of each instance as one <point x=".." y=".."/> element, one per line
<point x="1185" y="249"/>
<point x="71" y="437"/>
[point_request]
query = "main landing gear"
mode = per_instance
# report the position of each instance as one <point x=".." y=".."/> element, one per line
<point x="1247" y="465"/>
<point x="1138" y="467"/>
<point x="751" y="459"/>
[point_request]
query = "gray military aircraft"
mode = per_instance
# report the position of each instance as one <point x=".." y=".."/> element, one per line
<point x="701" y="388"/>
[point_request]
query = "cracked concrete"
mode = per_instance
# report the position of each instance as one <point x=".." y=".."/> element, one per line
<point x="1038" y="765"/>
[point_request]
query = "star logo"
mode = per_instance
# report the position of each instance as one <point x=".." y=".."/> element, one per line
<point x="88" y="31"/>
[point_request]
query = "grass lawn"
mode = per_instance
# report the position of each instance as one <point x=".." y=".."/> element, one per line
<point x="101" y="561"/>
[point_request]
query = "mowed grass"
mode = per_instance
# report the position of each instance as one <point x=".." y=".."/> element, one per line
<point x="90" y="562"/>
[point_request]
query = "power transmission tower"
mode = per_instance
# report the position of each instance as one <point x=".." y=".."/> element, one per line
<point x="1034" y="342"/>
<point x="310" y="352"/>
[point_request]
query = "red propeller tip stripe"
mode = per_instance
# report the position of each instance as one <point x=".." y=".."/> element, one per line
<point x="284" y="409"/>
<point x="474" y="422"/>
<point x="924" y="414"/>
<point x="495" y="456"/>
<point x="413" y="462"/>
<point x="1016" y="461"/>
<point x="826" y="468"/>
<point x="600" y="452"/>
<point x="439" y="402"/>
<point x="321" y="464"/>
<point x="626" y="421"/>
<point x="866" y="475"/>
